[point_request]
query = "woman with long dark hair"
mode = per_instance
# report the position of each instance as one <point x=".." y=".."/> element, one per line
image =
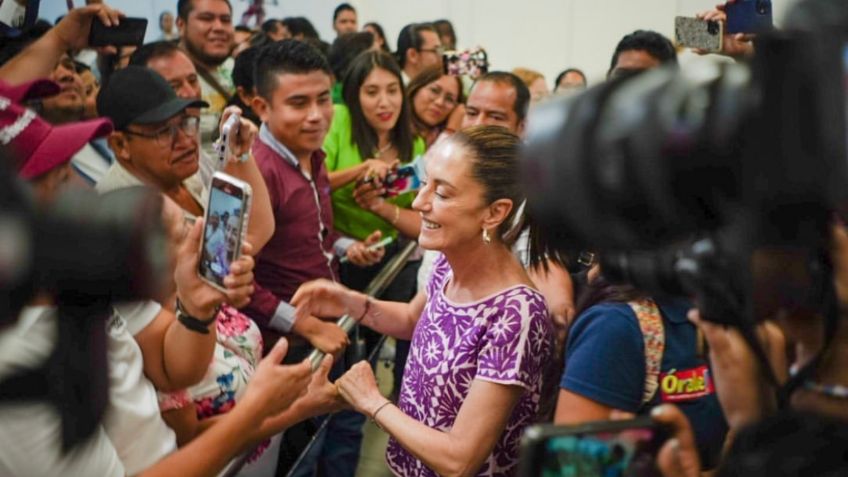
<point x="371" y="134"/>
<point x="433" y="97"/>
<point x="481" y="334"/>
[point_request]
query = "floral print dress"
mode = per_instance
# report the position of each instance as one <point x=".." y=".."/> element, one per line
<point x="237" y="353"/>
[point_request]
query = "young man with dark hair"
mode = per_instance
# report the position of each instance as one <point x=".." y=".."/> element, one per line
<point x="639" y="51"/>
<point x="206" y="35"/>
<point x="498" y="98"/>
<point x="344" y="19"/>
<point x="292" y="81"/>
<point x="418" y="47"/>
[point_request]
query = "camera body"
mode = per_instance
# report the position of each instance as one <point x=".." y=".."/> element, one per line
<point x="749" y="157"/>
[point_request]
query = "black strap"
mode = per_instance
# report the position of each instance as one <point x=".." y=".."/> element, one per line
<point x="192" y="323"/>
<point x="210" y="78"/>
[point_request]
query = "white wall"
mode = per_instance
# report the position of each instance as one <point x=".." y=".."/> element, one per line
<point x="547" y="35"/>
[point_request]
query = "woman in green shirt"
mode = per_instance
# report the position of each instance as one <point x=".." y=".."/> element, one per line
<point x="370" y="134"/>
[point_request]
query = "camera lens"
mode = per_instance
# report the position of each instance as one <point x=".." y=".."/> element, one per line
<point x="712" y="28"/>
<point x="621" y="185"/>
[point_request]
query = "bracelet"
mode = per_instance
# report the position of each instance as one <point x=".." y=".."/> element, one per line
<point x="374" y="416"/>
<point x="397" y="215"/>
<point x="192" y="323"/>
<point x="367" y="307"/>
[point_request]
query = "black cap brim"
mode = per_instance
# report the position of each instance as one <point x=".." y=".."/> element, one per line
<point x="168" y="110"/>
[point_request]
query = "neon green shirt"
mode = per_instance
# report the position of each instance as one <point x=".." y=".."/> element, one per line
<point x="342" y="153"/>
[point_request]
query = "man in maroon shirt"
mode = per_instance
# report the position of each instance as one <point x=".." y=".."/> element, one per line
<point x="295" y="106"/>
<point x="294" y="103"/>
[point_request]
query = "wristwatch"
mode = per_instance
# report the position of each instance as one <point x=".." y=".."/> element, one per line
<point x="194" y="324"/>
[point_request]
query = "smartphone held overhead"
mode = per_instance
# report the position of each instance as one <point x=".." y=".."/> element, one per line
<point x="697" y="33"/>
<point x="130" y="31"/>
<point x="748" y="16"/>
<point x="224" y="228"/>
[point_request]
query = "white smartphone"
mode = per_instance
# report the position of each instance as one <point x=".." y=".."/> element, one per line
<point x="225" y="227"/>
<point x="229" y="136"/>
<point x="697" y="33"/>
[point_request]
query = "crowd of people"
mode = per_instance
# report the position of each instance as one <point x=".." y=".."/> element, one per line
<point x="494" y="330"/>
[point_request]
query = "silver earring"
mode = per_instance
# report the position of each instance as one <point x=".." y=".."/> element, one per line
<point x="487" y="239"/>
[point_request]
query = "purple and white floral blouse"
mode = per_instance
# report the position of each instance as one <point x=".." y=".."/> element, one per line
<point x="505" y="338"/>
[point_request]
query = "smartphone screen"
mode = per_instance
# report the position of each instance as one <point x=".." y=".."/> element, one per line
<point x="615" y="449"/>
<point x="401" y="181"/>
<point x="222" y="230"/>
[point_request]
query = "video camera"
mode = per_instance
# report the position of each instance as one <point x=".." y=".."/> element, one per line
<point x="684" y="181"/>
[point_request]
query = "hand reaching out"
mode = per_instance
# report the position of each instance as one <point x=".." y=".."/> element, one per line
<point x="273" y="387"/>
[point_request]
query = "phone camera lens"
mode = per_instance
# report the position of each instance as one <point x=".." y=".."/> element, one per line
<point x="712" y="28"/>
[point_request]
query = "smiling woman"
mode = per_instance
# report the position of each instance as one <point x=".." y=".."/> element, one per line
<point x="434" y="96"/>
<point x="481" y="336"/>
<point x="370" y="134"/>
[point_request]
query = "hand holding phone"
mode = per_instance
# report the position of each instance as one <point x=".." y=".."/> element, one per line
<point x="473" y="62"/>
<point x="129" y="32"/>
<point x="228" y="141"/>
<point x="371" y="248"/>
<point x="225" y="227"/>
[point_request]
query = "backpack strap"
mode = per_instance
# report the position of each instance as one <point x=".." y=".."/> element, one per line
<point x="651" y="324"/>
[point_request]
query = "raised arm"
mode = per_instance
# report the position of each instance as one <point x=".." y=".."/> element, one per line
<point x="329" y="299"/>
<point x="272" y="389"/>
<point x="260" y="225"/>
<point x="40" y="58"/>
<point x="175" y="356"/>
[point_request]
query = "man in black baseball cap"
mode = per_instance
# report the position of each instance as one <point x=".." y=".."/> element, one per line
<point x="155" y="140"/>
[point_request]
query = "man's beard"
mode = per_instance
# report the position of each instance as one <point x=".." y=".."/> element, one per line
<point x="199" y="55"/>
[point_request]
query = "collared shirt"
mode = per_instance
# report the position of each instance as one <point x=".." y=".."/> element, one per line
<point x="303" y="244"/>
<point x="93" y="160"/>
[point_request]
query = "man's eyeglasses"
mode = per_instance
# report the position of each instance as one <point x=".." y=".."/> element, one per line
<point x="166" y="136"/>
<point x="437" y="50"/>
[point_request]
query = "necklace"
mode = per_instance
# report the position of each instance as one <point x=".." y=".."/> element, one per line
<point x="382" y="150"/>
